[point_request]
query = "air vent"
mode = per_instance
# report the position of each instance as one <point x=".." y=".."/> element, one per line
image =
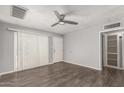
<point x="112" y="26"/>
<point x="19" y="12"/>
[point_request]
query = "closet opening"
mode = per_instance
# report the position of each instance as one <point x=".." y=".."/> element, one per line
<point x="34" y="50"/>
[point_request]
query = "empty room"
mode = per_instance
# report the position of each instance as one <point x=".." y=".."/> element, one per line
<point x="61" y="46"/>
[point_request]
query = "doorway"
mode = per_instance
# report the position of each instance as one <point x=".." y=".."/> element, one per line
<point x="112" y="49"/>
<point x="55" y="49"/>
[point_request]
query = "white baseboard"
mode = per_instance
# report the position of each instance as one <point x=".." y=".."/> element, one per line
<point x="84" y="65"/>
<point x="114" y="67"/>
<point x="4" y="73"/>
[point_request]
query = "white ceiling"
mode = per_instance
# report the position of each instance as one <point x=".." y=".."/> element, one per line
<point x="42" y="16"/>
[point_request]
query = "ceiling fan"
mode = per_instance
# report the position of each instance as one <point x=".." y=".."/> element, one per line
<point x="61" y="20"/>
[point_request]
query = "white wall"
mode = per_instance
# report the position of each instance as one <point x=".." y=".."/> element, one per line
<point x="6" y="49"/>
<point x="82" y="46"/>
<point x="7" y="45"/>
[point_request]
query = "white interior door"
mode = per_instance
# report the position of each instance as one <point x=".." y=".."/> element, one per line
<point x="32" y="50"/>
<point x="113" y="49"/>
<point x="57" y="49"/>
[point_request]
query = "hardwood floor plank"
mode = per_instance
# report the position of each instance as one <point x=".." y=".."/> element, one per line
<point x="63" y="74"/>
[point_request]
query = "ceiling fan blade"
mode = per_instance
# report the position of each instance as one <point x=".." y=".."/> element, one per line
<point x="57" y="14"/>
<point x="54" y="24"/>
<point x="70" y="22"/>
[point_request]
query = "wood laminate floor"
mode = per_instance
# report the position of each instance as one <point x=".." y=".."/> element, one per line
<point x="64" y="75"/>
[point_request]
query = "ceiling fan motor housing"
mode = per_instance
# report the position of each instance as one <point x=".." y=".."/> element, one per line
<point x="62" y="17"/>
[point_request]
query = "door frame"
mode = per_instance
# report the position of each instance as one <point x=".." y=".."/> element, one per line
<point x="118" y="50"/>
<point x="15" y="50"/>
<point x="120" y="29"/>
<point x="54" y="48"/>
<point x="50" y="46"/>
<point x="17" y="64"/>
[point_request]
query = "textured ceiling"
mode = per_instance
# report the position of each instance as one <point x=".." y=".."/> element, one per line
<point x="42" y="16"/>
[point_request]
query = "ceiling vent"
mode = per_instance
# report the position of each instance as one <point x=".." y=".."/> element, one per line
<point x="18" y="11"/>
<point x="112" y="26"/>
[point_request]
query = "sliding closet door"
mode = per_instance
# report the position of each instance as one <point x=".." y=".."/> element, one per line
<point x="57" y="49"/>
<point x="30" y="51"/>
<point x="33" y="50"/>
<point x="43" y="50"/>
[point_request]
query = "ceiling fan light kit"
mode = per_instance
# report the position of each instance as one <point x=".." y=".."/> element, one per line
<point x="61" y="20"/>
<point x="61" y="23"/>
